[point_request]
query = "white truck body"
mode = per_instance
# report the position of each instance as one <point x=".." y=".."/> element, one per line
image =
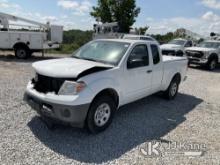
<point x="128" y="84"/>
<point x="36" y="40"/>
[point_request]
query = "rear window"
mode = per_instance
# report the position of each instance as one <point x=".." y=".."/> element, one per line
<point x="155" y="54"/>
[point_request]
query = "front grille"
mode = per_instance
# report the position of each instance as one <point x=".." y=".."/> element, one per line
<point x="169" y="52"/>
<point x="45" y="84"/>
<point x="196" y="54"/>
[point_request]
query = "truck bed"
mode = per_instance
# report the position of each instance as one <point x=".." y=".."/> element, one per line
<point x="173" y="64"/>
<point x="172" y="58"/>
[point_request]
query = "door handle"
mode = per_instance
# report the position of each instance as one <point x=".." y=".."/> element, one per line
<point x="149" y="71"/>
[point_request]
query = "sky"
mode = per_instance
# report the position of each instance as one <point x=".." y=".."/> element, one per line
<point x="200" y="16"/>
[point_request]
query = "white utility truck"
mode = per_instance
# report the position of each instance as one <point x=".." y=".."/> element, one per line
<point x="29" y="37"/>
<point x="176" y="47"/>
<point x="87" y="88"/>
<point x="206" y="53"/>
<point x="106" y="31"/>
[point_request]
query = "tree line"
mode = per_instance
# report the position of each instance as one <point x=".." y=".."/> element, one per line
<point x="73" y="39"/>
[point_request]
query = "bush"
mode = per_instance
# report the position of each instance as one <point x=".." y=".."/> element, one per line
<point x="72" y="40"/>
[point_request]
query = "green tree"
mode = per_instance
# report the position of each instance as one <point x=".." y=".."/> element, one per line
<point x="122" y="11"/>
<point x="102" y="11"/>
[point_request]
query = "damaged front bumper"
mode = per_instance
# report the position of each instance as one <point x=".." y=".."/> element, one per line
<point x="74" y="115"/>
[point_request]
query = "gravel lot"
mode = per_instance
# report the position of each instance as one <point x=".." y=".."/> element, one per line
<point x="193" y="118"/>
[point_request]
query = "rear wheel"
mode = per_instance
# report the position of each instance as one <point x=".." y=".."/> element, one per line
<point x="212" y="64"/>
<point x="100" y="114"/>
<point x="22" y="52"/>
<point x="172" y="90"/>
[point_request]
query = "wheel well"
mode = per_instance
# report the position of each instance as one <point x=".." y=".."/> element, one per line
<point x="213" y="56"/>
<point x="177" y="76"/>
<point x="179" y="53"/>
<point x="20" y="45"/>
<point x="110" y="92"/>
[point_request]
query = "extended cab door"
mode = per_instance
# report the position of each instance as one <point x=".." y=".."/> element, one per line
<point x="157" y="68"/>
<point x="137" y="76"/>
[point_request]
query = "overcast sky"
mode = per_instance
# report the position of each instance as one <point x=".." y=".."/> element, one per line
<point x="201" y="16"/>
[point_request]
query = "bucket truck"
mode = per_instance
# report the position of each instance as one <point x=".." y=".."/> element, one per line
<point x="28" y="38"/>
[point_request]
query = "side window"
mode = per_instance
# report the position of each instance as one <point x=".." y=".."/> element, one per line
<point x="155" y="54"/>
<point x="139" y="57"/>
<point x="189" y="44"/>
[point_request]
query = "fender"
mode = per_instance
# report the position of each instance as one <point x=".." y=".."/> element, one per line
<point x="98" y="85"/>
<point x="169" y="76"/>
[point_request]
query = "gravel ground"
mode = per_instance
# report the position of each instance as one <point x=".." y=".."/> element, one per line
<point x="192" y="118"/>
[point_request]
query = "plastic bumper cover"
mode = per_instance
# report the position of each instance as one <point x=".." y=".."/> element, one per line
<point x="73" y="115"/>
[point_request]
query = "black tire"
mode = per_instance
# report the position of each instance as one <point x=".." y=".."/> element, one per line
<point x="93" y="115"/>
<point x="169" y="94"/>
<point x="22" y="52"/>
<point x="179" y="53"/>
<point x="211" y="65"/>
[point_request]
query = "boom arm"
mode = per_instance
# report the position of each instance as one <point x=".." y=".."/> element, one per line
<point x="4" y="20"/>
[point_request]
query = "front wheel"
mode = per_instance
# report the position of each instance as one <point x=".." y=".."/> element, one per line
<point x="212" y="64"/>
<point x="100" y="114"/>
<point x="172" y="90"/>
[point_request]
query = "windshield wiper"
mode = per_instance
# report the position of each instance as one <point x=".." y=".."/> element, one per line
<point x="76" y="57"/>
<point x="84" y="58"/>
<point x="90" y="59"/>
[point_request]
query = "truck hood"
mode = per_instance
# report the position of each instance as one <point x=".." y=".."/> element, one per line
<point x="170" y="46"/>
<point x="201" y="49"/>
<point x="68" y="67"/>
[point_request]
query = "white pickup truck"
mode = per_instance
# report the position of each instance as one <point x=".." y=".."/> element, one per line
<point x="103" y="75"/>
<point x="206" y="53"/>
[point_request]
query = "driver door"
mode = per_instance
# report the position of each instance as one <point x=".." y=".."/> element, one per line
<point x="137" y="74"/>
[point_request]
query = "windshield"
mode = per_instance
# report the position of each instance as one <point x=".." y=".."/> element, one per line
<point x="108" y="52"/>
<point x="210" y="45"/>
<point x="177" y="42"/>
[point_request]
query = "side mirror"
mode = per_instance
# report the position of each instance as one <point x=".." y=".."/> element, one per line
<point x="135" y="62"/>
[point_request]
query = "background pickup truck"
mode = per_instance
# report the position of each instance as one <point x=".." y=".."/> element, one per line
<point x="206" y="53"/>
<point x="176" y="47"/>
<point x="103" y="75"/>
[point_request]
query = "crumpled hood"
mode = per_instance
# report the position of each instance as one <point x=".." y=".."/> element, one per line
<point x="66" y="67"/>
<point x="170" y="46"/>
<point x="201" y="49"/>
